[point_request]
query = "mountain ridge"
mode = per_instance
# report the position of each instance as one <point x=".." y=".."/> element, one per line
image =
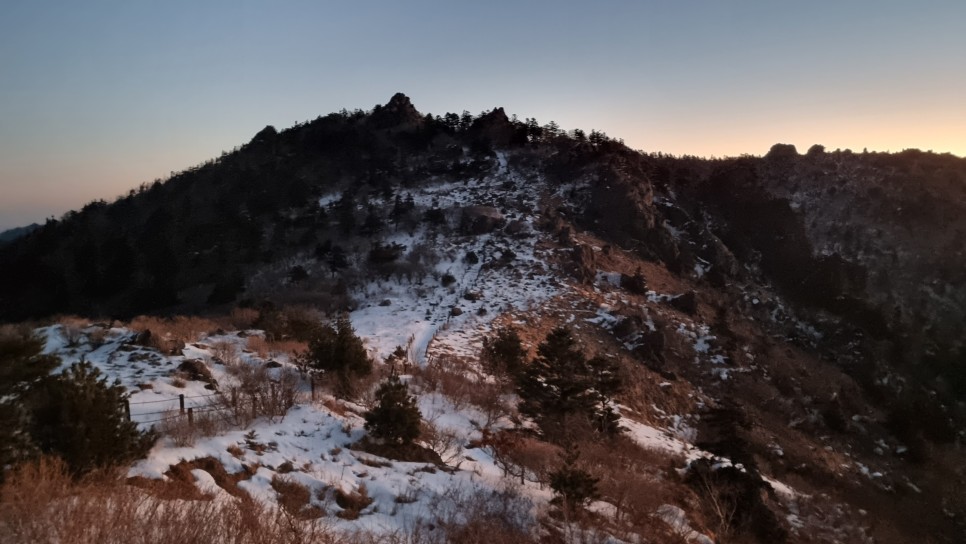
<point x="815" y="297"/>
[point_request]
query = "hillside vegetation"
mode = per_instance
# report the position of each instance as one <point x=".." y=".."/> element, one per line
<point x="422" y="328"/>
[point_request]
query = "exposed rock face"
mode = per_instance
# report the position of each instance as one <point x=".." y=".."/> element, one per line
<point x="759" y="224"/>
<point x="583" y="264"/>
<point x="494" y="128"/>
<point x="399" y="112"/>
<point x="621" y="206"/>
<point x="687" y="303"/>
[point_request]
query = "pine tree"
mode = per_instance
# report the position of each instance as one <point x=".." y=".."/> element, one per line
<point x="21" y="366"/>
<point x="80" y="417"/>
<point x="338" y="352"/>
<point x="503" y="354"/>
<point x="395" y="417"/>
<point x="572" y="486"/>
<point x="561" y="383"/>
<point x="21" y="361"/>
<point x="604" y="377"/>
<point x="552" y="386"/>
<point x="373" y="223"/>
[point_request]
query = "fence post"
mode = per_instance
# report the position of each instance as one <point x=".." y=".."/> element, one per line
<point x="191" y="416"/>
<point x="127" y="409"/>
<point x="181" y="400"/>
<point x="312" y="382"/>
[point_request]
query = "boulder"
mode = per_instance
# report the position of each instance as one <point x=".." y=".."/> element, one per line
<point x="481" y="219"/>
<point x="197" y="370"/>
<point x="583" y="264"/>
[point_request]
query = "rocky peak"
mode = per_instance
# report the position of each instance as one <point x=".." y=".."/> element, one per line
<point x="399" y="111"/>
<point x="494" y="126"/>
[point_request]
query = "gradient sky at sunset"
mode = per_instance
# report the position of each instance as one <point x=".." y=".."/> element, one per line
<point x="98" y="97"/>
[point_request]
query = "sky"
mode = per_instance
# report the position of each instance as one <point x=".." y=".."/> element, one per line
<point x="98" y="97"/>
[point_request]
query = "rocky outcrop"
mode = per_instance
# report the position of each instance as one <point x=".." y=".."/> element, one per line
<point x="398" y="113"/>
<point x="481" y="219"/>
<point x="494" y="128"/>
<point x="622" y="205"/>
<point x="583" y="264"/>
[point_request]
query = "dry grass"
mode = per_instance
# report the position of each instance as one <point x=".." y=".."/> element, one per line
<point x="270" y="349"/>
<point x="295" y="498"/>
<point x="182" y="433"/>
<point x="226" y="352"/>
<point x="352" y="502"/>
<point x="72" y="327"/>
<point x="242" y="318"/>
<point x="258" y="345"/>
<point x="40" y="503"/>
<point x="169" y="335"/>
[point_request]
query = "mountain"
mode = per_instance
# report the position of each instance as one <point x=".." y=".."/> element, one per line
<point x="796" y="318"/>
<point x="10" y="235"/>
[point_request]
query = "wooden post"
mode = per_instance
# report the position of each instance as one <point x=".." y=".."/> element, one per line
<point x="181" y="400"/>
<point x="312" y="382"/>
<point x="191" y="416"/>
<point x="127" y="409"/>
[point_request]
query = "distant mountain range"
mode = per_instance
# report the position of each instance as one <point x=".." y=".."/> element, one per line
<point x="14" y="233"/>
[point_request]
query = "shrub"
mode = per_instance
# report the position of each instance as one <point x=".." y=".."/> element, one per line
<point x="395" y="418"/>
<point x="294" y="498"/>
<point x="636" y="284"/>
<point x="257" y="394"/>
<point x="352" y="503"/>
<point x="80" y="417"/>
<point x="385" y="253"/>
<point x="734" y="498"/>
<point x="481" y="516"/>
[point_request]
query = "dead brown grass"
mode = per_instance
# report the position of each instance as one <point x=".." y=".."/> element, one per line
<point x="270" y="349"/>
<point x="242" y="318"/>
<point x="204" y="423"/>
<point x="171" y="334"/>
<point x="295" y="498"/>
<point x="72" y="327"/>
<point x="352" y="502"/>
<point x="40" y="503"/>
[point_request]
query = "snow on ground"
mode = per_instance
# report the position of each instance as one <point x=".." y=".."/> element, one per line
<point x="420" y="315"/>
<point x="312" y="443"/>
